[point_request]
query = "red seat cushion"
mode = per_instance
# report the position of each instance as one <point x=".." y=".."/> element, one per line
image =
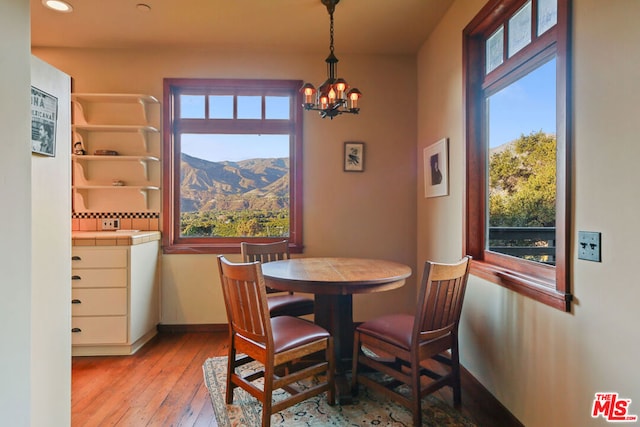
<point x="289" y="305"/>
<point x="393" y="328"/>
<point x="290" y="332"/>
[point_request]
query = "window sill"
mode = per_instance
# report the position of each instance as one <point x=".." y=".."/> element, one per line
<point x="533" y="287"/>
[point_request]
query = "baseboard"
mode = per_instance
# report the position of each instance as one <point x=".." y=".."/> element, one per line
<point x="180" y="329"/>
<point x="481" y="396"/>
<point x="113" y="349"/>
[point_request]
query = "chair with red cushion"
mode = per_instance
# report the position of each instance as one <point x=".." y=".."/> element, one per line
<point x="398" y="344"/>
<point x="280" y="303"/>
<point x="273" y="342"/>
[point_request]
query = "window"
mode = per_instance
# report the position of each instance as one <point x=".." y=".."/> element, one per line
<point x="232" y="164"/>
<point x="516" y="67"/>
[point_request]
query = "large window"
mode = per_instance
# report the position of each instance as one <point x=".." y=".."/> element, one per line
<point x="232" y="167"/>
<point x="518" y="146"/>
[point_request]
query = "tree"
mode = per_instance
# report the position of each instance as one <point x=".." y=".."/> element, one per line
<point x="522" y="182"/>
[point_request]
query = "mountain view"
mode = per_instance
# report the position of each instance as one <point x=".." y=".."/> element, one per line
<point x="252" y="184"/>
<point x="228" y="199"/>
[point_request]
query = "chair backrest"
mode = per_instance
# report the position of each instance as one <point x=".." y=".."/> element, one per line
<point x="440" y="300"/>
<point x="245" y="299"/>
<point x="265" y="252"/>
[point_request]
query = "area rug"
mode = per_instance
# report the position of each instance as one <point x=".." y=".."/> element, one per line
<point x="368" y="409"/>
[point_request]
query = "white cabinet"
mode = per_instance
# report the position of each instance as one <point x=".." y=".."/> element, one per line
<point x="115" y="298"/>
<point x="127" y="126"/>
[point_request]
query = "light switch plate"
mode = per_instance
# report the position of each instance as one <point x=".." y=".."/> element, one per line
<point x="589" y="246"/>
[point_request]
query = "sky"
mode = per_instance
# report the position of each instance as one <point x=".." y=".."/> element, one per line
<point x="216" y="148"/>
<point x="219" y="147"/>
<point x="526" y="106"/>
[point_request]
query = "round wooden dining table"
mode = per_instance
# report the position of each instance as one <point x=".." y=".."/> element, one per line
<point x="333" y="281"/>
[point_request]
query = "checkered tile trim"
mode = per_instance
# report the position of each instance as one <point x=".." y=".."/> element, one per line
<point x="99" y="215"/>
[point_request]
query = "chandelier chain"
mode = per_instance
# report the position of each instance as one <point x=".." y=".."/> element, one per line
<point x="331" y="31"/>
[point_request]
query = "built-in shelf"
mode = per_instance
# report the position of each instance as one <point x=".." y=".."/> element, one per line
<point x="142" y="131"/>
<point x="137" y="200"/>
<point x="82" y="99"/>
<point x="117" y="122"/>
<point x="116" y="187"/>
<point x="90" y="157"/>
<point x="114" y="97"/>
<point x="141" y="160"/>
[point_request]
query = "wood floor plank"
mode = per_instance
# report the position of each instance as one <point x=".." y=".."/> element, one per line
<point x="163" y="385"/>
<point x="131" y="374"/>
<point x="150" y="393"/>
<point x="187" y="387"/>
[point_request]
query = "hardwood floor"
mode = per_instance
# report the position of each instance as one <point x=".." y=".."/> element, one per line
<point x="162" y="385"/>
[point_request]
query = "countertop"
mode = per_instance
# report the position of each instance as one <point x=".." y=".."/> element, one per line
<point x="113" y="238"/>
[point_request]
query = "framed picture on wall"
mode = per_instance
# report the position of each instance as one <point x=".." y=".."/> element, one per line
<point x="436" y="169"/>
<point x="354" y="156"/>
<point x="44" y="117"/>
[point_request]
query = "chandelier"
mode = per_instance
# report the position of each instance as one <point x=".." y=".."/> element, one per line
<point x="331" y="98"/>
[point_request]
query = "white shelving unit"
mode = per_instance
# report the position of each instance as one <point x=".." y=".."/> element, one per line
<point x="124" y="123"/>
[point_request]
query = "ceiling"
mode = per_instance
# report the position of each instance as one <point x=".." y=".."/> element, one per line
<point x="361" y="26"/>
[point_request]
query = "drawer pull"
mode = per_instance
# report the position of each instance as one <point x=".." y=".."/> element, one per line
<point x="76" y="301"/>
<point x="76" y="277"/>
<point x="75" y="330"/>
<point x="76" y="258"/>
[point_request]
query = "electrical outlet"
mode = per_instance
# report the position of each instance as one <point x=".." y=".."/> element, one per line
<point x="589" y="247"/>
<point x="110" y="224"/>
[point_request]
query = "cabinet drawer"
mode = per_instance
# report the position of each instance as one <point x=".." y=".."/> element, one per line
<point x="96" y="257"/>
<point x="99" y="278"/>
<point x="99" y="302"/>
<point x="98" y="330"/>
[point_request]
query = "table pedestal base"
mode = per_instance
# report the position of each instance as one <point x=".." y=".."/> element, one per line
<point x="335" y="314"/>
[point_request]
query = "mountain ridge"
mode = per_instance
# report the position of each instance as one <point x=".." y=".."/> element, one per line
<point x="252" y="184"/>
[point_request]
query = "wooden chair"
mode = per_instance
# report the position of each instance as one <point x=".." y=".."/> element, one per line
<point x="397" y="344"/>
<point x="274" y="342"/>
<point x="280" y="303"/>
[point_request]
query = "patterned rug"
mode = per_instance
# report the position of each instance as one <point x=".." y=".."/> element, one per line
<point x="368" y="409"/>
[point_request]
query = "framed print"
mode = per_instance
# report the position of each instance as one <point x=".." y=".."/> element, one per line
<point x="354" y="156"/>
<point x="44" y="117"/>
<point x="436" y="169"/>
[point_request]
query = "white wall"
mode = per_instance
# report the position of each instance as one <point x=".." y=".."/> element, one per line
<point x="51" y="261"/>
<point x="369" y="214"/>
<point x="545" y="365"/>
<point x="15" y="215"/>
<point x="34" y="260"/>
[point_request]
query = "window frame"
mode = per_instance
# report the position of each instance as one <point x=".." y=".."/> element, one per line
<point x="547" y="284"/>
<point x="173" y="243"/>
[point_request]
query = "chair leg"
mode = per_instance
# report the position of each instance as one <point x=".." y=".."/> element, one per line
<point x="331" y="358"/>
<point x="354" y="366"/>
<point x="267" y="395"/>
<point x="455" y="371"/>
<point x="416" y="409"/>
<point x="231" y="363"/>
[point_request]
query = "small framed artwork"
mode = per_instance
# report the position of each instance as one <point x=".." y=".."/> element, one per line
<point x="354" y="156"/>
<point x="44" y="116"/>
<point x="436" y="169"/>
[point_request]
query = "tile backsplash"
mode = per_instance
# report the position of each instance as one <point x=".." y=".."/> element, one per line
<point x="146" y="221"/>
